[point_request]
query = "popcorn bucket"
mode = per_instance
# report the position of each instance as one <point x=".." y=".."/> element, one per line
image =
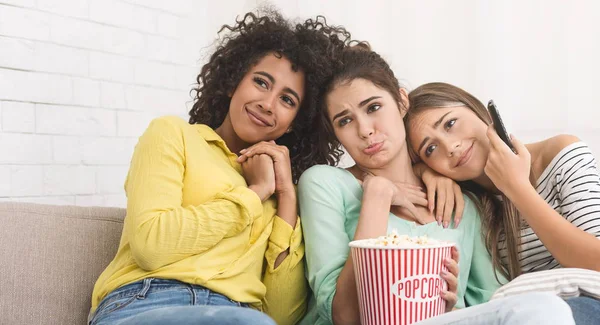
<point x="399" y="285"/>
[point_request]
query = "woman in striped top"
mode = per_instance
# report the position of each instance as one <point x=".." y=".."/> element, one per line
<point x="548" y="193"/>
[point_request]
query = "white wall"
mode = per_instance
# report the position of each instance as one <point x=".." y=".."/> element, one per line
<point x="79" y="82"/>
<point x="80" y="79"/>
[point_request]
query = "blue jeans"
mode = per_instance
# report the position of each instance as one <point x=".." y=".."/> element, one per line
<point x="586" y="310"/>
<point x="525" y="309"/>
<point x="156" y="301"/>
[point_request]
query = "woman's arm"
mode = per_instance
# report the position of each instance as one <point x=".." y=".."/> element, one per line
<point x="162" y="231"/>
<point x="443" y="193"/>
<point x="284" y="187"/>
<point x="372" y="223"/>
<point x="287" y="212"/>
<point x="329" y="269"/>
<point x="284" y="279"/>
<point x="572" y="246"/>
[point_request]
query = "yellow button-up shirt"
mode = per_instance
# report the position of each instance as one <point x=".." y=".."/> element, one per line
<point x="191" y="217"/>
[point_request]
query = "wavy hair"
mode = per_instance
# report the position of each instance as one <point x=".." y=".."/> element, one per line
<point x="311" y="46"/>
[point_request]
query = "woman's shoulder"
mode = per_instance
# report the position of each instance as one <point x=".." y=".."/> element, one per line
<point x="550" y="151"/>
<point x="320" y="174"/>
<point x="166" y="126"/>
<point x="169" y="121"/>
<point x="170" y="126"/>
<point x="554" y="146"/>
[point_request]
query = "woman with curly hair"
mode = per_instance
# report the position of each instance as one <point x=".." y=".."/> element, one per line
<point x="207" y="233"/>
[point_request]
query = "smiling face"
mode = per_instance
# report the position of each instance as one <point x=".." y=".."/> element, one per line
<point x="266" y="101"/>
<point x="367" y="121"/>
<point x="450" y="140"/>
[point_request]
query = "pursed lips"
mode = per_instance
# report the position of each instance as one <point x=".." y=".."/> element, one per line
<point x="372" y="144"/>
<point x="373" y="148"/>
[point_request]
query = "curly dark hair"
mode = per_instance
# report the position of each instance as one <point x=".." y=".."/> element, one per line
<point x="311" y="46"/>
<point x="354" y="62"/>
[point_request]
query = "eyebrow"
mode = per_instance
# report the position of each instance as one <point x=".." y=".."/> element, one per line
<point x="361" y="104"/>
<point x="366" y="101"/>
<point x="286" y="89"/>
<point x="435" y="126"/>
<point x="342" y="113"/>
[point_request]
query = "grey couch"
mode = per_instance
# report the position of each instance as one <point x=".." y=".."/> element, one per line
<point x="50" y="258"/>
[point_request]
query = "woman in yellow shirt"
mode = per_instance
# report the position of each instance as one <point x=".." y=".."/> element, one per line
<point x="206" y="235"/>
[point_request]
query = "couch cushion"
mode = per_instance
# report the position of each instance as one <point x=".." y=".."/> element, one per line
<point x="50" y="258"/>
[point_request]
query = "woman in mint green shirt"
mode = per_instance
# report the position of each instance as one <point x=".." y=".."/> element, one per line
<point x="363" y="109"/>
<point x="330" y="202"/>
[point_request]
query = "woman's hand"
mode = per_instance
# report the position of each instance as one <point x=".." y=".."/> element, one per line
<point x="280" y="156"/>
<point x="405" y="196"/>
<point x="443" y="193"/>
<point x="413" y="193"/>
<point x="508" y="171"/>
<point x="451" y="276"/>
<point x="260" y="175"/>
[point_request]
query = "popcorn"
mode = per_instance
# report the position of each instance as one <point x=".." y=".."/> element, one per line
<point x="394" y="240"/>
<point x="399" y="276"/>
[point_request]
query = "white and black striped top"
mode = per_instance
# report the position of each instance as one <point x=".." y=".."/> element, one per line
<point x="571" y="186"/>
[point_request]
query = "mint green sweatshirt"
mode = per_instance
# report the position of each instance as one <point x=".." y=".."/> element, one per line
<point x="330" y="202"/>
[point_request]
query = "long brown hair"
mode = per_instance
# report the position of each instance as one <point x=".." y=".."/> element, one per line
<point x="500" y="219"/>
<point x="357" y="61"/>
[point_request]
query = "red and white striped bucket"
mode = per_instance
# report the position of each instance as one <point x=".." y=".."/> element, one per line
<point x="399" y="286"/>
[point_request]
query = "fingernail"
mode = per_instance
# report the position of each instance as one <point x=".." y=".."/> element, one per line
<point x="456" y="223"/>
<point x="444" y="272"/>
<point x="446" y="224"/>
<point x="439" y="223"/>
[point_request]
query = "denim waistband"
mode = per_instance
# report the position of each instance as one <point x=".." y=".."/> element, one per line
<point x="140" y="289"/>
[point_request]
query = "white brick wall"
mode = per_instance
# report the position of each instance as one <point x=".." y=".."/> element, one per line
<point x="79" y="82"/>
<point x="18" y="117"/>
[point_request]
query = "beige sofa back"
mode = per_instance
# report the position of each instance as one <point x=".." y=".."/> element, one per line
<point x="50" y="258"/>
